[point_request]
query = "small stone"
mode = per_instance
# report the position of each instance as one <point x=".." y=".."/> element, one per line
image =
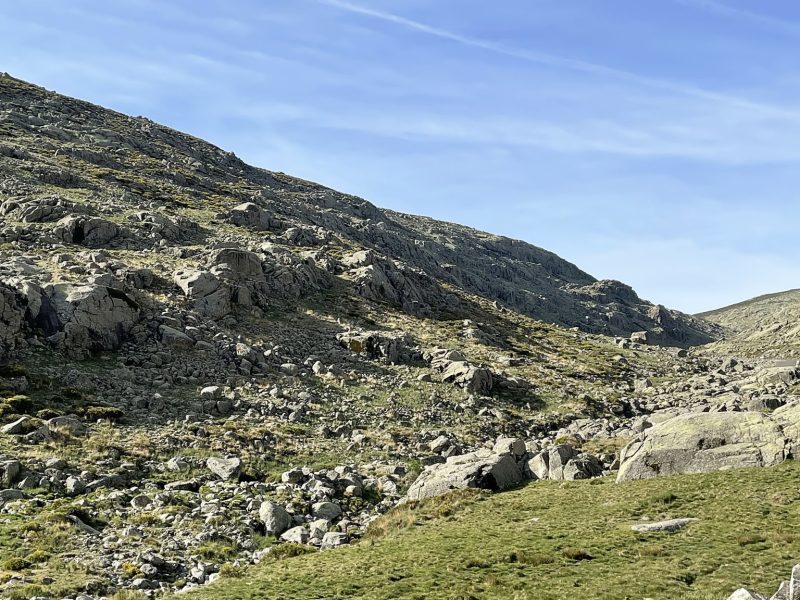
<point x="297" y="535"/>
<point x="332" y="539"/>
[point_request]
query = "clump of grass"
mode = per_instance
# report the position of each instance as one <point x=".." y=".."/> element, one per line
<point x="411" y="513"/>
<point x="529" y="558"/>
<point x="290" y="550"/>
<point x="232" y="571"/>
<point x="14" y="405"/>
<point x="104" y="413"/>
<point x="652" y="551"/>
<point x="667" y="499"/>
<point x="575" y="554"/>
<point x="13" y="370"/>
<point x="38" y="556"/>
<point x="129" y="595"/>
<point x="748" y="539"/>
<point x="609" y="445"/>
<point x="16" y="563"/>
<point x="475" y="563"/>
<point x="217" y="551"/>
<point x="128" y="570"/>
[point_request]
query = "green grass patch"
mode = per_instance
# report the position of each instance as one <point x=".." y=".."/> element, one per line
<point x="554" y="540"/>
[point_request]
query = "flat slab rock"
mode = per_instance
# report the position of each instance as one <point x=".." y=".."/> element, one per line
<point x="668" y="526"/>
<point x="706" y="442"/>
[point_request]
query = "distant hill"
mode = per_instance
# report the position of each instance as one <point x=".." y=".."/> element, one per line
<point x="768" y="325"/>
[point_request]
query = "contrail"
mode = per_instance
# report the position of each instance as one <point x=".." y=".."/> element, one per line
<point x="559" y="61"/>
<point x="719" y="8"/>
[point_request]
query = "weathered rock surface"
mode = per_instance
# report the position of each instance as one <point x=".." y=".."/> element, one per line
<point x="12" y="316"/>
<point x="251" y="215"/>
<point x="661" y="526"/>
<point x="703" y="442"/>
<point x="482" y="469"/>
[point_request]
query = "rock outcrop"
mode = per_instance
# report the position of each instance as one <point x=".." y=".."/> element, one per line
<point x="704" y="442"/>
<point x="12" y="316"/>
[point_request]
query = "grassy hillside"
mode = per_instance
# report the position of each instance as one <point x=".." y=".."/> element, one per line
<point x="555" y="540"/>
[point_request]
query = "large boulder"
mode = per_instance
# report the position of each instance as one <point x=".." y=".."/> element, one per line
<point x="274" y="517"/>
<point x="159" y="226"/>
<point x="208" y="294"/>
<point x="291" y="276"/>
<point x="92" y="232"/>
<point x="477" y="380"/>
<point x="482" y="469"/>
<point x="91" y="317"/>
<point x="224" y="468"/>
<point x="380" y="279"/>
<point x="38" y="210"/>
<point x="251" y="216"/>
<point x="236" y="264"/>
<point x="704" y="442"/>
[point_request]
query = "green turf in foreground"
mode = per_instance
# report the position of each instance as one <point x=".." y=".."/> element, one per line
<point x="533" y="542"/>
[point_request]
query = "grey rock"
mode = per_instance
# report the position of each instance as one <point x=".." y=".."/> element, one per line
<point x="794" y="583"/>
<point x="224" y="468"/>
<point x="297" y="535"/>
<point x="250" y="215"/>
<point x="744" y="594"/>
<point x="475" y="379"/>
<point x="558" y="457"/>
<point x="209" y="295"/>
<point x="74" y="486"/>
<point x="333" y="539"/>
<point x="703" y="442"/>
<point x="16" y="427"/>
<point x="91" y="317"/>
<point x="539" y="465"/>
<point x="93" y="232"/>
<point x="326" y="510"/>
<point x="482" y="469"/>
<point x="782" y="592"/>
<point x="175" y="338"/>
<point x="670" y="525"/>
<point x="9" y="470"/>
<point x="141" y="501"/>
<point x="10" y="494"/>
<point x="513" y="446"/>
<point x="274" y="517"/>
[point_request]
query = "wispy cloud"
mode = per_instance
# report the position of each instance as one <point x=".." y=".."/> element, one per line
<point x="565" y="62"/>
<point x="762" y="20"/>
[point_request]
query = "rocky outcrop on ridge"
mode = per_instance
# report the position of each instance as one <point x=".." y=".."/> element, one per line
<point x="399" y="259"/>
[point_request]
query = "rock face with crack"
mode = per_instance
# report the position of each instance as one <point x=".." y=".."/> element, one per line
<point x="92" y="317"/>
<point x="704" y="442"/>
<point x="11" y="319"/>
<point x="92" y="232"/>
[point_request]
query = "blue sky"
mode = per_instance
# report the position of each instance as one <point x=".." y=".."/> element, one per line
<point x="656" y="142"/>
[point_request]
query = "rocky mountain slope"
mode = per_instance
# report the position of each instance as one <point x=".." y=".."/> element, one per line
<point x="205" y="365"/>
<point x="135" y="185"/>
<point x="767" y="326"/>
